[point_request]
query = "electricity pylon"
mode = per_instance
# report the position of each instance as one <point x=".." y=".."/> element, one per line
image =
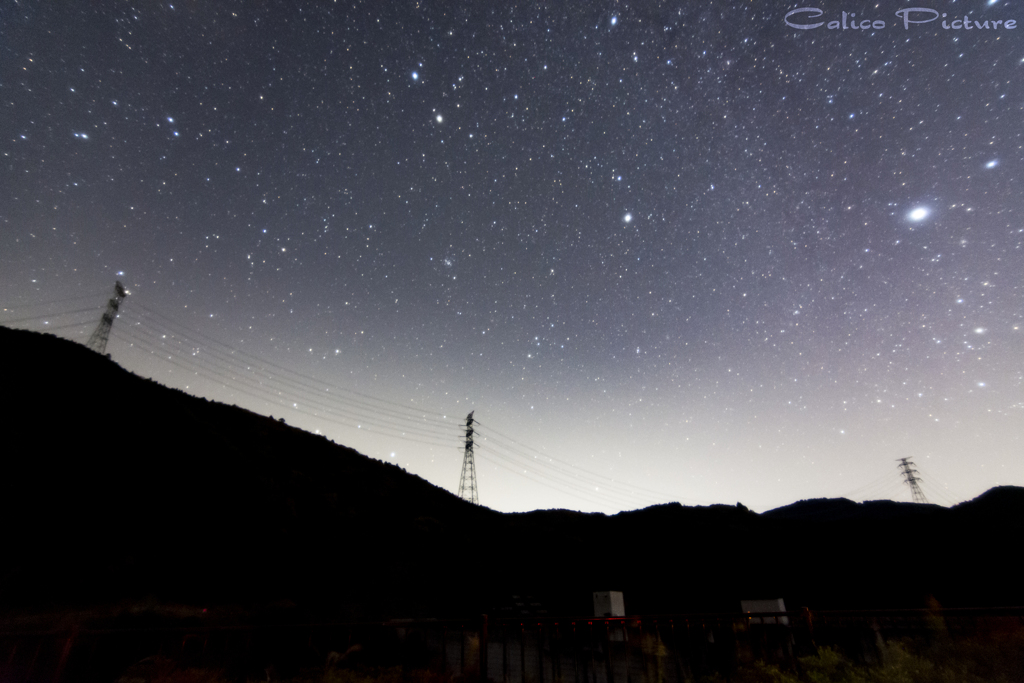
<point x="98" y="341"/>
<point x="910" y="476"/>
<point x="467" y="482"/>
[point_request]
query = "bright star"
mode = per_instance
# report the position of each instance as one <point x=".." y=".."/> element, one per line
<point x="994" y="162"/>
<point x="415" y="76"/>
<point x="628" y="217"/>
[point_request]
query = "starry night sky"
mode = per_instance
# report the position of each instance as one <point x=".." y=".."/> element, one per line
<point x="665" y="250"/>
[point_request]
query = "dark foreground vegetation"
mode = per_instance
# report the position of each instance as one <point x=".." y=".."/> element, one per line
<point x="901" y="662"/>
<point x="932" y="655"/>
<point x="813" y="646"/>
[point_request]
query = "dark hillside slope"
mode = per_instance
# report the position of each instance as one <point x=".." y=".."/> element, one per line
<point x="113" y="487"/>
<point x="116" y="486"/>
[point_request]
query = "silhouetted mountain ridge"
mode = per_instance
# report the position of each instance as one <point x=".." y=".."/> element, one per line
<point x="128" y="489"/>
<point x="842" y="509"/>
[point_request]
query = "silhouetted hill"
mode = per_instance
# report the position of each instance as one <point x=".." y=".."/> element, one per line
<point x="117" y="488"/>
<point x="821" y="510"/>
<point x="1001" y="501"/>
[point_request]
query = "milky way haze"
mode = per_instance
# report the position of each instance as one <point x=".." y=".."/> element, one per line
<point x="666" y="251"/>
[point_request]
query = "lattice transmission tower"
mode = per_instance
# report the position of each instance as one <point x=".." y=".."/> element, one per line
<point x="467" y="482"/>
<point x="98" y="341"/>
<point x="910" y="476"/>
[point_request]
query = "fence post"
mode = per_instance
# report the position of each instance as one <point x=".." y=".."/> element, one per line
<point x="608" y="652"/>
<point x="575" y="655"/>
<point x="556" y="653"/>
<point x="645" y="646"/>
<point x="483" y="649"/>
<point x="32" y="665"/>
<point x="677" y="649"/>
<point x="626" y="651"/>
<point x="64" y="654"/>
<point x="504" y="652"/>
<point x="522" y="651"/>
<point x="540" y="651"/>
<point x="809" y="617"/>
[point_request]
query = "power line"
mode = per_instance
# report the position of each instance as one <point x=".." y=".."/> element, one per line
<point x="290" y="381"/>
<point x="225" y="368"/>
<point x="934" y="493"/>
<point x="593" y="495"/>
<point x="64" y="327"/>
<point x="250" y="375"/>
<point x="199" y="336"/>
<point x="95" y="295"/>
<point x="91" y="309"/>
<point x="872" y="488"/>
<point x="246" y="386"/>
<point x="148" y="337"/>
<point x="575" y="493"/>
<point x="244" y="373"/>
<point x="575" y="470"/>
<point x="256" y="389"/>
<point x="520" y="463"/>
<point x="233" y="371"/>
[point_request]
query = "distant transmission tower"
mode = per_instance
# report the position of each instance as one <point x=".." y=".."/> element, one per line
<point x="910" y="476"/>
<point x="467" y="482"/>
<point x="98" y="341"/>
